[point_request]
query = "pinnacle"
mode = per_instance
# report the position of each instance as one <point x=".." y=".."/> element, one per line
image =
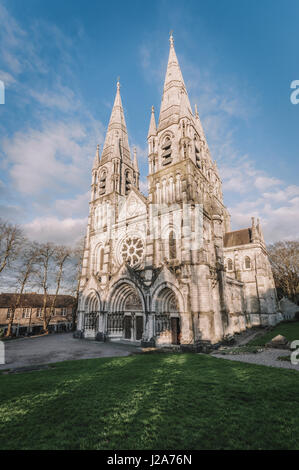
<point x="152" y="128"/>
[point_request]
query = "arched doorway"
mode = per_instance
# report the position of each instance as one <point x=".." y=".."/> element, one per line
<point x="125" y="319"/>
<point x="167" y="318"/>
<point x="91" y="315"/>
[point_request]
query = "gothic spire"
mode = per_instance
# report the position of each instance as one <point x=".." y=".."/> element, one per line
<point x="116" y="140"/>
<point x="174" y="89"/>
<point x="152" y="128"/>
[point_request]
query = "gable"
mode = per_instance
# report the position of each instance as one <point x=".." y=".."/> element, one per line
<point x="133" y="206"/>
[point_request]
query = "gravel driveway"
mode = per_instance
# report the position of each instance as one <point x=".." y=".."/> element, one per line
<point x="33" y="351"/>
<point x="266" y="358"/>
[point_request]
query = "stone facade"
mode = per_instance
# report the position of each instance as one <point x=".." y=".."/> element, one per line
<point x="166" y="269"/>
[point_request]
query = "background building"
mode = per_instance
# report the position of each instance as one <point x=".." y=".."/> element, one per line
<point x="28" y="318"/>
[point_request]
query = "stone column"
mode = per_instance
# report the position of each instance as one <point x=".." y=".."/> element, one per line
<point x="221" y="322"/>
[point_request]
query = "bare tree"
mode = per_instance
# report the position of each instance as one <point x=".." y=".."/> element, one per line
<point x="60" y="256"/>
<point x="46" y="255"/>
<point x="77" y="261"/>
<point x="284" y="258"/>
<point x="11" y="239"/>
<point x="25" y="271"/>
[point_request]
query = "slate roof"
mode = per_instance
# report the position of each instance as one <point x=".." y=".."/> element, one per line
<point x="34" y="300"/>
<point x="238" y="237"/>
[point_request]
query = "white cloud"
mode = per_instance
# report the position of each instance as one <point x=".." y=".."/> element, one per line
<point x="50" y="159"/>
<point x="283" y="194"/>
<point x="152" y="63"/>
<point x="16" y="50"/>
<point x="61" y="98"/>
<point x="52" y="229"/>
<point x="73" y="207"/>
<point x="10" y="31"/>
<point x="49" y="163"/>
<point x="265" y="182"/>
<point x="278" y="212"/>
<point x="10" y="212"/>
<point x="282" y="222"/>
<point x="7" y="78"/>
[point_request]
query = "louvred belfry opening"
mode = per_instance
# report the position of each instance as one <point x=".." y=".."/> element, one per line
<point x="166" y="154"/>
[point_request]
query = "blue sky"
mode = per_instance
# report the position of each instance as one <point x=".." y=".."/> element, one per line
<point x="60" y="61"/>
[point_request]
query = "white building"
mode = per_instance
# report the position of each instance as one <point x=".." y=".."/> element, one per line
<point x="167" y="269"/>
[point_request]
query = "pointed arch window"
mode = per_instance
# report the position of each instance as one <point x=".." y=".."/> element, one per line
<point x="101" y="264"/>
<point x="166" y="151"/>
<point x="247" y="262"/>
<point x="229" y="264"/>
<point x="197" y="151"/>
<point x="102" y="183"/>
<point x="127" y="182"/>
<point x="172" y="245"/>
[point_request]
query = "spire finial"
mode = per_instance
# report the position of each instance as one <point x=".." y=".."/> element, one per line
<point x="118" y="84"/>
<point x="171" y="40"/>
<point x="153" y="109"/>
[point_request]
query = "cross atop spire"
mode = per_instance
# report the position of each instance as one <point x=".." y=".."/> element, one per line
<point x="171" y="40"/>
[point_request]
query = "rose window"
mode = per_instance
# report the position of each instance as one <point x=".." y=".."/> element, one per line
<point x="132" y="250"/>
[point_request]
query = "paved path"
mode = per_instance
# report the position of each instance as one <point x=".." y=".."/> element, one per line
<point x="33" y="351"/>
<point x="266" y="358"/>
<point x="248" y="335"/>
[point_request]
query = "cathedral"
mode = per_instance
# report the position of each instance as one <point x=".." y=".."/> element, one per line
<point x="166" y="269"/>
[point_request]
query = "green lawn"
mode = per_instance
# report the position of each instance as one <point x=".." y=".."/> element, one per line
<point x="288" y="329"/>
<point x="151" y="401"/>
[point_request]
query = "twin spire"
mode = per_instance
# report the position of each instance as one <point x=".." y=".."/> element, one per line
<point x="175" y="105"/>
